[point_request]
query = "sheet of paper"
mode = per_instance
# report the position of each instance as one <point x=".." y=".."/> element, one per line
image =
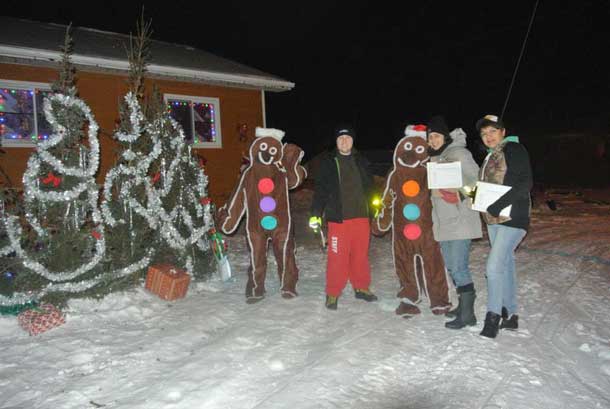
<point x="488" y="193"/>
<point x="444" y="175"/>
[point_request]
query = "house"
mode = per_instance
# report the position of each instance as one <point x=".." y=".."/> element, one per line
<point x="218" y="102"/>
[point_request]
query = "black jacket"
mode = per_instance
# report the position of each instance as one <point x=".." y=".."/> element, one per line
<point x="327" y="194"/>
<point x="519" y="177"/>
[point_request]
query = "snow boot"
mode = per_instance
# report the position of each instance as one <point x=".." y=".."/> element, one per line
<point x="461" y="289"/>
<point x="466" y="316"/>
<point x="365" y="294"/>
<point x="331" y="302"/>
<point x="510" y="323"/>
<point x="492" y="322"/>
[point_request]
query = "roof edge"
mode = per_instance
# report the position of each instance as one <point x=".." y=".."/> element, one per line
<point x="269" y="84"/>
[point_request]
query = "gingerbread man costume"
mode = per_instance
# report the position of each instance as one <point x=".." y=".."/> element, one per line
<point x="262" y="195"/>
<point x="407" y="210"/>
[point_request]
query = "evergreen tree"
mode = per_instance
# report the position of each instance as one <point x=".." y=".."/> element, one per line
<point x="130" y="226"/>
<point x="180" y="199"/>
<point x="60" y="242"/>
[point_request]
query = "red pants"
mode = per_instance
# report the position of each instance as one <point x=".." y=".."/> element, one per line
<point x="348" y="255"/>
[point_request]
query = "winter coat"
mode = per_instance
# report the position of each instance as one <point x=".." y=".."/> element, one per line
<point x="457" y="221"/>
<point x="327" y="194"/>
<point x="509" y="164"/>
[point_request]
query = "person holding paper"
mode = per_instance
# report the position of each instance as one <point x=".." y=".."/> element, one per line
<point x="455" y="224"/>
<point x="507" y="163"/>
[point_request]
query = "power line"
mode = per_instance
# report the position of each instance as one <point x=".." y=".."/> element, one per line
<point x="512" y="82"/>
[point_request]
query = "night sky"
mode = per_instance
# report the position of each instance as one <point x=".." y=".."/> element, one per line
<point x="380" y="67"/>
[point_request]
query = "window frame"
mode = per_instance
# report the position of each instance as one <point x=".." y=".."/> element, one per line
<point x="30" y="86"/>
<point x="217" y="144"/>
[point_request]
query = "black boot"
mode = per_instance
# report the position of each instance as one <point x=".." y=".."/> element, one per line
<point x="365" y="294"/>
<point x="511" y="323"/>
<point x="492" y="322"/>
<point x="466" y="316"/>
<point x="461" y="289"/>
<point x="331" y="302"/>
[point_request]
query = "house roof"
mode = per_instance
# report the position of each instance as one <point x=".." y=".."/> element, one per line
<point x="33" y="42"/>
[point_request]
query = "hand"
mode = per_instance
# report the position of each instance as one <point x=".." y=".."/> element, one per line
<point x="315" y="222"/>
<point x="449" y="196"/>
<point x="493" y="211"/>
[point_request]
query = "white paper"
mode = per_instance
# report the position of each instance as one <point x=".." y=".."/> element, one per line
<point x="488" y="193"/>
<point x="444" y="175"/>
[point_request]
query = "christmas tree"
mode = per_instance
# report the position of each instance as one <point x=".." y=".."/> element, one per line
<point x="179" y="199"/>
<point x="60" y="241"/>
<point x="130" y="231"/>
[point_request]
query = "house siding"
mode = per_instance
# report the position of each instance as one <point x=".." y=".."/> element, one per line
<point x="103" y="92"/>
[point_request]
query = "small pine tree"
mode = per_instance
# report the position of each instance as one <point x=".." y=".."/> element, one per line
<point x="130" y="226"/>
<point x="61" y="241"/>
<point x="180" y="198"/>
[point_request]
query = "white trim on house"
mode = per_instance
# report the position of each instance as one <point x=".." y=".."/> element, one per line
<point x="155" y="69"/>
<point x="27" y="85"/>
<point x="217" y="122"/>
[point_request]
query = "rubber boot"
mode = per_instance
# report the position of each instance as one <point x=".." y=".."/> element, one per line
<point x="466" y="316"/>
<point x="461" y="289"/>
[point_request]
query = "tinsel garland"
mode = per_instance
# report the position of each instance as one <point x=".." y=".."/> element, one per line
<point x="169" y="232"/>
<point x="137" y="174"/>
<point x="85" y="170"/>
<point x="27" y="298"/>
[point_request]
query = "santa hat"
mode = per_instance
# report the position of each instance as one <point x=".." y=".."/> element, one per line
<point x="416" y="130"/>
<point x="274" y="133"/>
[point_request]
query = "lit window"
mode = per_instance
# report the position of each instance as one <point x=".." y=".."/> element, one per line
<point x="199" y="117"/>
<point x="22" y="121"/>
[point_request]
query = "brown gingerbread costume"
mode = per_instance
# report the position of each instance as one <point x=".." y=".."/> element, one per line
<point x="262" y="195"/>
<point x="407" y="210"/>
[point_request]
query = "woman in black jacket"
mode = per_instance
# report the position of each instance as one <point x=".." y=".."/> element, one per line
<point x="508" y="218"/>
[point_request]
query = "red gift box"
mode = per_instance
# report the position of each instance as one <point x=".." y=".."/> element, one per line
<point x="167" y="281"/>
<point x="40" y="319"/>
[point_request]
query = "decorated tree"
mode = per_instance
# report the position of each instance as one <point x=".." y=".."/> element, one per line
<point x="179" y="198"/>
<point x="60" y="241"/>
<point x="130" y="226"/>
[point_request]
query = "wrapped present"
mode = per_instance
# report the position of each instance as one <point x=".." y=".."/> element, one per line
<point x="167" y="281"/>
<point x="40" y="319"/>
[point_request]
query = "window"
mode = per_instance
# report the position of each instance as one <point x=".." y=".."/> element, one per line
<point x="200" y="118"/>
<point x="22" y="121"/>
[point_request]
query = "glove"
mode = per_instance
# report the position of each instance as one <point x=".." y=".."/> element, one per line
<point x="449" y="196"/>
<point x="315" y="222"/>
<point x="493" y="210"/>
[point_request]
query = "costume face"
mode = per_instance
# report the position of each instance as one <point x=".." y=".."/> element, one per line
<point x="345" y="144"/>
<point x="266" y="150"/>
<point x="436" y="140"/>
<point x="492" y="136"/>
<point x="411" y="152"/>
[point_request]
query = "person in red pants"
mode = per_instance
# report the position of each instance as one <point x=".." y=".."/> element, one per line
<point x="343" y="187"/>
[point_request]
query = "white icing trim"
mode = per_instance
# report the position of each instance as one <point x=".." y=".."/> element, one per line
<point x="274" y="133"/>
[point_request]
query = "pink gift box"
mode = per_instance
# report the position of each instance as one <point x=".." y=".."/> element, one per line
<point x="40" y="319"/>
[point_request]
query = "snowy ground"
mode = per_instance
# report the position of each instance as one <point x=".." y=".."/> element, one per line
<point x="212" y="350"/>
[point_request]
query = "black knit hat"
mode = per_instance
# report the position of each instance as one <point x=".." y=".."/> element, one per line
<point x="437" y="124"/>
<point x="345" y="130"/>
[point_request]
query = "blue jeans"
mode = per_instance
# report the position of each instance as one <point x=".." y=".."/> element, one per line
<point x="501" y="275"/>
<point x="456" y="255"/>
